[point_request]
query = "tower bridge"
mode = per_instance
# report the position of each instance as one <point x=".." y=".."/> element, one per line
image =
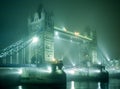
<point x="47" y="43"/>
<point x="43" y="48"/>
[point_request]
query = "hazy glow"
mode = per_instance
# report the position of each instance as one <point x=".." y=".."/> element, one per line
<point x="99" y="63"/>
<point x="49" y="69"/>
<point x="53" y="59"/>
<point x="35" y="39"/>
<point x="71" y="72"/>
<point x="73" y="64"/>
<point x="45" y="70"/>
<point x="56" y="33"/>
<point x="107" y="58"/>
<point x="20" y="71"/>
<point x="105" y="54"/>
<point x="97" y="71"/>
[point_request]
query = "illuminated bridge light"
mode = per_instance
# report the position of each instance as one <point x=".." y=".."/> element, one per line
<point x="20" y="71"/>
<point x="53" y="60"/>
<point x="76" y="33"/>
<point x="56" y="33"/>
<point x="63" y="30"/>
<point x="49" y="69"/>
<point x="35" y="39"/>
<point x="70" y="71"/>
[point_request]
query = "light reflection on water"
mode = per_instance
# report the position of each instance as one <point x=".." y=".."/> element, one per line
<point x="87" y="85"/>
<point x="72" y="85"/>
<point x="82" y="85"/>
<point x="99" y="87"/>
<point x="113" y="84"/>
<point x="19" y="87"/>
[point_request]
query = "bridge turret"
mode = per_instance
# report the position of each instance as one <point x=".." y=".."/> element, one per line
<point x="42" y="26"/>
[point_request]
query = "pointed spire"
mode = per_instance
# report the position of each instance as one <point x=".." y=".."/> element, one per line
<point x="36" y="17"/>
<point x="39" y="10"/>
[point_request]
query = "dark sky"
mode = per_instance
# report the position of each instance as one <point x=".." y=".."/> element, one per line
<point x="75" y="15"/>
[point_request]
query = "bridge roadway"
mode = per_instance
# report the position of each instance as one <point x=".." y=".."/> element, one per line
<point x="72" y="34"/>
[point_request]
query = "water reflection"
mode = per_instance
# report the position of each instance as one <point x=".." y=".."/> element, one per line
<point x="87" y="85"/>
<point x="19" y="87"/>
<point x="36" y="87"/>
<point x="112" y="84"/>
<point x="103" y="85"/>
<point x="72" y="85"/>
<point x="99" y="85"/>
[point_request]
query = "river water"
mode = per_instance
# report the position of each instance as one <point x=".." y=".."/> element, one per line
<point x="112" y="84"/>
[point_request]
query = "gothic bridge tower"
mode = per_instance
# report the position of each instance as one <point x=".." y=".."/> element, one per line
<point x="41" y="25"/>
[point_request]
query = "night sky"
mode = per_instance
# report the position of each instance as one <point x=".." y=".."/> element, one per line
<point x="76" y="15"/>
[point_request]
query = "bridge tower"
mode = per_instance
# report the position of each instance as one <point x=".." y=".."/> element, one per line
<point x="91" y="45"/>
<point x="41" y="26"/>
<point x="94" y="47"/>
